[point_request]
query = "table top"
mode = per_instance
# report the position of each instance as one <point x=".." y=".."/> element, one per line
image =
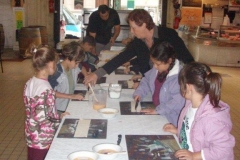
<point x="120" y="124"/>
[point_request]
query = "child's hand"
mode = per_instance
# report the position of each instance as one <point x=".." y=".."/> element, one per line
<point x="149" y="111"/>
<point x="184" y="154"/>
<point x="170" y="128"/>
<point x="64" y="114"/>
<point x="77" y="96"/>
<point x="135" y="85"/>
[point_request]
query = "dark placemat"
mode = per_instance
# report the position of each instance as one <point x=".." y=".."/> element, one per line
<point x="97" y="129"/>
<point x="125" y="108"/>
<point x="124" y="84"/>
<point x="82" y="92"/>
<point x="151" y="147"/>
<point x="121" y="71"/>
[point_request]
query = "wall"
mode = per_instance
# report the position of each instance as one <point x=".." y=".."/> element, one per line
<point x="36" y="13"/>
<point x="6" y="15"/>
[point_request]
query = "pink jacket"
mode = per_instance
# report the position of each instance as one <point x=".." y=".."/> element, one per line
<point x="210" y="130"/>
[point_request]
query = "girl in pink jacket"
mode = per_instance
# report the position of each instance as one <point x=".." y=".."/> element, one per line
<point x="204" y="124"/>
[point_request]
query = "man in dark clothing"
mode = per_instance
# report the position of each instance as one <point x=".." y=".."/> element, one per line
<point x="146" y="34"/>
<point x="100" y="27"/>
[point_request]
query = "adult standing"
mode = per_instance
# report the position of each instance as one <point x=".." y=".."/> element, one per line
<point x="100" y="27"/>
<point x="145" y="35"/>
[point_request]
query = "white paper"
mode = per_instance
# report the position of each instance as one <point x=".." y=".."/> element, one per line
<point x="82" y="128"/>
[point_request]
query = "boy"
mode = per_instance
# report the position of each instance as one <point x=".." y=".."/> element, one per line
<point x="64" y="79"/>
<point x="88" y="64"/>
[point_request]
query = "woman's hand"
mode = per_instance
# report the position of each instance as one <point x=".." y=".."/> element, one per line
<point x="184" y="154"/>
<point x="77" y="96"/>
<point x="127" y="64"/>
<point x="126" y="70"/>
<point x="64" y="114"/>
<point x="170" y="128"/>
<point x="90" y="78"/>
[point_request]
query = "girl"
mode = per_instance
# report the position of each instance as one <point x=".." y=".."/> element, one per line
<point x="162" y="82"/>
<point x="204" y="124"/>
<point x="39" y="100"/>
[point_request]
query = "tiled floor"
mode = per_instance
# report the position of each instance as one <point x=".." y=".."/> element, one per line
<point x="12" y="113"/>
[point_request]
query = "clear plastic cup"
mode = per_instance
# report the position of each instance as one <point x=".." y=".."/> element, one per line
<point x="100" y="100"/>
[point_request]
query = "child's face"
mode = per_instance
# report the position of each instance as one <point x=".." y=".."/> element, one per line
<point x="73" y="64"/>
<point x="51" y="67"/>
<point x="87" y="47"/>
<point x="161" y="66"/>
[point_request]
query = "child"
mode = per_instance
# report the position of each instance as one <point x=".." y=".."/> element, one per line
<point x="204" y="124"/>
<point x="162" y="82"/>
<point x="39" y="100"/>
<point x="90" y="60"/>
<point x="88" y="44"/>
<point x="63" y="81"/>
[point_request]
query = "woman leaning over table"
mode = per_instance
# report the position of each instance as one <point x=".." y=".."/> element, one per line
<point x="145" y="35"/>
<point x="204" y="124"/>
<point x="162" y="82"/>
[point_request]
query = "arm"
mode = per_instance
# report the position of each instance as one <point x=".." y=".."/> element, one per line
<point x="92" y="34"/>
<point x="175" y="103"/>
<point x="69" y="96"/>
<point x="40" y="111"/>
<point x="221" y="142"/>
<point x="144" y="87"/>
<point x="116" y="33"/>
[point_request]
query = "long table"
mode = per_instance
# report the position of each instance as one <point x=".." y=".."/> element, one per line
<point x="121" y="124"/>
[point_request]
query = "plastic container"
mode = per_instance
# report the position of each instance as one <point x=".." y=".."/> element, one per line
<point x="114" y="90"/>
<point x="101" y="99"/>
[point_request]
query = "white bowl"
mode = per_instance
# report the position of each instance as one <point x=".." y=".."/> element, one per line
<point x="108" y="112"/>
<point x="79" y="155"/>
<point x="103" y="149"/>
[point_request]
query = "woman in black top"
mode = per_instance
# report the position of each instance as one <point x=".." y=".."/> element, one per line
<point x="145" y="35"/>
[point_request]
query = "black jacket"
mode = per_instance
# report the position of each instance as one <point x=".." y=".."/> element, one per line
<point x="139" y="49"/>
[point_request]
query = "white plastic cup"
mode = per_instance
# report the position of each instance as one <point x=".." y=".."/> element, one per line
<point x="114" y="90"/>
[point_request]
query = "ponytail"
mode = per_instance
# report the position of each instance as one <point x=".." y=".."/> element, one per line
<point x="214" y="83"/>
<point x="204" y="80"/>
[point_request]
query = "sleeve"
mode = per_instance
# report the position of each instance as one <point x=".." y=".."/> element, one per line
<point x="120" y="59"/>
<point x="116" y="19"/>
<point x="220" y="141"/>
<point x="175" y="103"/>
<point x="144" y="87"/>
<point x="46" y="103"/>
<point x="134" y="61"/>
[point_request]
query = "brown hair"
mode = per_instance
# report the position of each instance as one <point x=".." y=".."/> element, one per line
<point x="71" y="52"/>
<point x="163" y="51"/>
<point x="140" y="16"/>
<point x="203" y="79"/>
<point x="42" y="55"/>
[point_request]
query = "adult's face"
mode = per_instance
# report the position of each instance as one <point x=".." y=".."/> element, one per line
<point x="104" y="16"/>
<point x="138" y="31"/>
